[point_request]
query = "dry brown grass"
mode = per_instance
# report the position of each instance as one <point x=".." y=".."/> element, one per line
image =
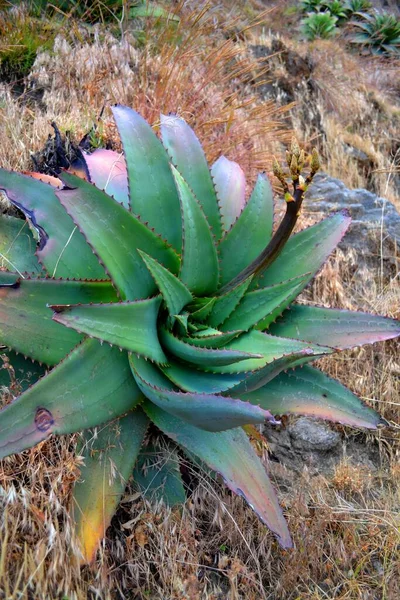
<point x="349" y="104"/>
<point x="194" y="69"/>
<point x="345" y="525"/>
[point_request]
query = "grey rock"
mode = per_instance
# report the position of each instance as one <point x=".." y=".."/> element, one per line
<point x="309" y="435"/>
<point x="358" y="155"/>
<point x="306" y="442"/>
<point x="373" y="217"/>
<point x="378" y="567"/>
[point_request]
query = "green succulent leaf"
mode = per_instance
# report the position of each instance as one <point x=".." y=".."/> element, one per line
<point x="230" y="454"/>
<point x="250" y="234"/>
<point x="263" y="375"/>
<point x="305" y="252"/>
<point x="226" y="304"/>
<point x="183" y="323"/>
<point x="28" y="327"/>
<point x="199" y="268"/>
<point x="188" y="157"/>
<point x="338" y="329"/>
<point x="174" y="292"/>
<point x="269" y="348"/>
<point x="152" y="191"/>
<point x="307" y="391"/>
<point x="263" y="306"/>
<point x="109" y="456"/>
<point x="129" y="325"/>
<point x="62" y="249"/>
<point x="207" y="411"/>
<point x="206" y="357"/>
<point x="230" y="185"/>
<point x="89" y="387"/>
<point x="91" y="209"/>
<point x="192" y="380"/>
<point x="203" y="309"/>
<point x="157" y="475"/>
<point x="211" y="338"/>
<point x="17" y="246"/>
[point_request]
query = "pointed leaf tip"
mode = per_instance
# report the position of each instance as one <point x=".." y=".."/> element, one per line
<point x="249" y="234"/>
<point x="107" y="170"/>
<point x="230" y="454"/>
<point x="128" y="325"/>
<point x="188" y="156"/>
<point x="306" y="251"/>
<point x="109" y="457"/>
<point x="199" y="267"/>
<point x="174" y="292"/>
<point x="29" y="328"/>
<point x="307" y="391"/>
<point x="230" y="185"/>
<point x="336" y="328"/>
<point x="152" y="191"/>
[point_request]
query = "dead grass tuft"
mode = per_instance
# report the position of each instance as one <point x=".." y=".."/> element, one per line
<point x="194" y="69"/>
<point x="345" y="104"/>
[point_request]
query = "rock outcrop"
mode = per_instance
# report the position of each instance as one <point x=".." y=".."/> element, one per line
<point x="371" y="214"/>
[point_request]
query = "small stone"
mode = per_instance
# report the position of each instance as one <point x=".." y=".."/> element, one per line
<point x="378" y="567"/>
<point x="358" y="155"/>
<point x="310" y="435"/>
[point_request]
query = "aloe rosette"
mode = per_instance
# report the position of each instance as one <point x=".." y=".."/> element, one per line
<point x="145" y="288"/>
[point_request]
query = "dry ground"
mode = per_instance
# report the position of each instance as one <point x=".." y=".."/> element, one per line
<point x="346" y="525"/>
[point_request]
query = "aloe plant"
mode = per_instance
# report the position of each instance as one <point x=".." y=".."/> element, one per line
<point x="357" y="7"/>
<point x="379" y="33"/>
<point x="152" y="291"/>
<point x="319" y="25"/>
<point x="311" y="5"/>
<point x="336" y="8"/>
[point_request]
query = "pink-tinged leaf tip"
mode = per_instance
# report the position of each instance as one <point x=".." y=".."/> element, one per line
<point x="107" y="170"/>
<point x="230" y="185"/>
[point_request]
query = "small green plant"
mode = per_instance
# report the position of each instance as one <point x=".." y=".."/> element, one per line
<point x="153" y="292"/>
<point x="151" y="10"/>
<point x="311" y="6"/>
<point x="336" y="8"/>
<point x="319" y="25"/>
<point x="357" y="7"/>
<point x="380" y="34"/>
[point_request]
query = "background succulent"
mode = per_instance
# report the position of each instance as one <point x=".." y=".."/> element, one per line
<point x="152" y="291"/>
<point x="311" y="5"/>
<point x="336" y="8"/>
<point x="319" y="25"/>
<point x="379" y="33"/>
<point x="357" y="7"/>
